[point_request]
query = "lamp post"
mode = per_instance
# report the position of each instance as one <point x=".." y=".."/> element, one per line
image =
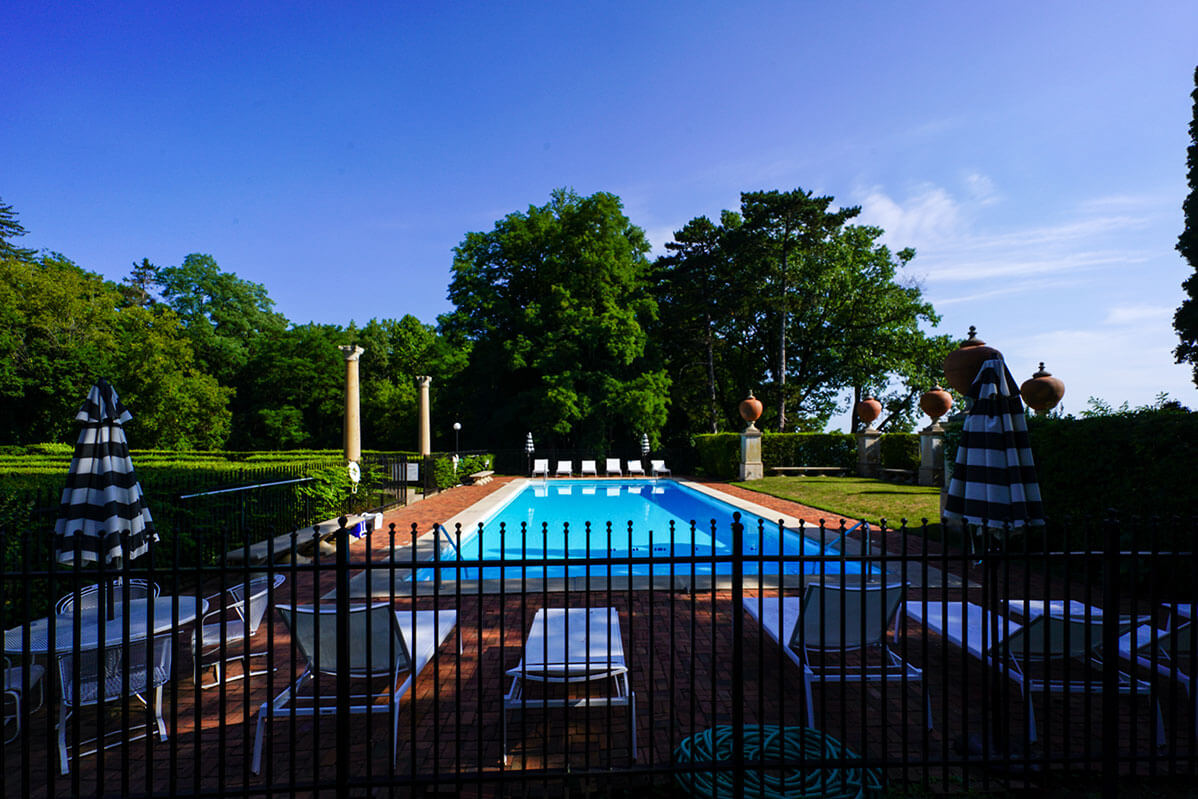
<point x="457" y="428"/>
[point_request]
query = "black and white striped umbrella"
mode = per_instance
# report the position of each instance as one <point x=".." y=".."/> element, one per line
<point x="994" y="477"/>
<point x="528" y="445"/>
<point x="102" y="500"/>
<point x="644" y="444"/>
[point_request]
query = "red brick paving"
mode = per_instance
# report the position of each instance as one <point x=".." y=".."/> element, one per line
<point x="679" y="647"/>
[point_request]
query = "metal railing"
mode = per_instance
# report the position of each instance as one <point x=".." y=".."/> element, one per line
<point x="729" y="690"/>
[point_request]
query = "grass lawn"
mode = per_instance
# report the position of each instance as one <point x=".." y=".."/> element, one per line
<point x="857" y="498"/>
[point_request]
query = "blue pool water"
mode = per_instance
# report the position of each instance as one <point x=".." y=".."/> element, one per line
<point x="648" y="518"/>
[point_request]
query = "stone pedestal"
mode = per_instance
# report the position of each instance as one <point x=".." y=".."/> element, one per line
<point x="869" y="452"/>
<point x="931" y="455"/>
<point x="750" y="454"/>
<point x="352" y="436"/>
<point x="426" y="436"/>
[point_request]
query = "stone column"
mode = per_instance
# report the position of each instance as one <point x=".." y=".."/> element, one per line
<point x="869" y="452"/>
<point x="750" y="454"/>
<point x="352" y="438"/>
<point x="426" y="437"/>
<point x="931" y="455"/>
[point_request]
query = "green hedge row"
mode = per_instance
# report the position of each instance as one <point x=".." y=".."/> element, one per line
<point x="899" y="450"/>
<point x="1140" y="463"/>
<point x="719" y="453"/>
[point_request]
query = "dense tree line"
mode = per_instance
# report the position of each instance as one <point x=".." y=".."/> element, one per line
<point x="562" y="325"/>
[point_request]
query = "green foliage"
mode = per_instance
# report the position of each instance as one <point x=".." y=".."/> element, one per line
<point x="555" y="304"/>
<point x="1137" y="462"/>
<point x="788" y="300"/>
<point x="222" y="313"/>
<point x="1185" y="321"/>
<point x="899" y="450"/>
<point x="11" y="229"/>
<point x="809" y="449"/>
<point x="719" y="453"/>
<point x="446" y="477"/>
<point x="64" y="327"/>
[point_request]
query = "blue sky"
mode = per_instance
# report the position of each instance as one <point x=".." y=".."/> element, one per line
<point x="1032" y="153"/>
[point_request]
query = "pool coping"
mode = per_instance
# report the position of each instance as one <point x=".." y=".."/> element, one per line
<point x="389" y="580"/>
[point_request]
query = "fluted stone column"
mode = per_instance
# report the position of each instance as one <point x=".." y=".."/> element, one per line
<point x="426" y="427"/>
<point x="352" y="437"/>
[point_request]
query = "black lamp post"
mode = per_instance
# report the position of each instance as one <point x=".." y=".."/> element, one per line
<point x="457" y="428"/>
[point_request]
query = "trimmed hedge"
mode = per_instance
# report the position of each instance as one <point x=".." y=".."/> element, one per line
<point x="719" y="453"/>
<point x="899" y="450"/>
<point x="1141" y="463"/>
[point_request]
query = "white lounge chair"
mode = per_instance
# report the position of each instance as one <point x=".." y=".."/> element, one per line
<point x="564" y="469"/>
<point x="15" y="682"/>
<point x="613" y="467"/>
<point x="635" y="467"/>
<point x="540" y="466"/>
<point x="588" y="467"/>
<point x="566" y="647"/>
<point x="658" y="468"/>
<point x="1043" y="640"/>
<point x="832" y="620"/>
<point x="224" y="631"/>
<point x="385" y="643"/>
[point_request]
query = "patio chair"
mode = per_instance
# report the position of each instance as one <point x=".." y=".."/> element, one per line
<point x="88" y="597"/>
<point x="540" y="466"/>
<point x="658" y="468"/>
<point x="94" y="676"/>
<point x="588" y="467"/>
<point x="566" y="648"/>
<point x="635" y="467"/>
<point x="16" y="681"/>
<point x="223" y="632"/>
<point x="832" y="620"/>
<point x="613" y="468"/>
<point x="384" y="644"/>
<point x="1042" y="640"/>
<point x="564" y="469"/>
<point x="1162" y="651"/>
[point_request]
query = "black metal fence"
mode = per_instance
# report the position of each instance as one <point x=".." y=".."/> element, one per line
<point x="734" y="664"/>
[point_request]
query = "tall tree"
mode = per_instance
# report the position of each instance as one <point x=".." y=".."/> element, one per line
<point x="222" y="313"/>
<point x="705" y="320"/>
<point x="62" y="327"/>
<point x="1185" y="321"/>
<point x="11" y="229"/>
<point x="138" y="286"/>
<point x="555" y="302"/>
<point x="782" y="237"/>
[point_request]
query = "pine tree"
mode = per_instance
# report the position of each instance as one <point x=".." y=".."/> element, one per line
<point x="1185" y="321"/>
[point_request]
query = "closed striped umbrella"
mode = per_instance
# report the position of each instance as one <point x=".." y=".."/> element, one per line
<point x="528" y="445"/>
<point x="994" y="477"/>
<point x="102" y="500"/>
<point x="644" y="444"/>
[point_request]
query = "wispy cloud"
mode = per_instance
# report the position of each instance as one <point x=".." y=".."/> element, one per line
<point x="1134" y="314"/>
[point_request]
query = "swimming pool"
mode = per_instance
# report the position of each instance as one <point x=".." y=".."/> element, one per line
<point x="649" y="522"/>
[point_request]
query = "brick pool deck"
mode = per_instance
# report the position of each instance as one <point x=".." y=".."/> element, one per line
<point x="450" y="722"/>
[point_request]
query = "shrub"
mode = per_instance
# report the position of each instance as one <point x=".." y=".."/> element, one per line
<point x="719" y="454"/>
<point x="899" y="450"/>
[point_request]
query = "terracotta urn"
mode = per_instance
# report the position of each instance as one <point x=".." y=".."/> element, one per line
<point x="750" y="409"/>
<point x="1042" y="391"/>
<point x="962" y="364"/>
<point x="869" y="409"/>
<point x="936" y="402"/>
